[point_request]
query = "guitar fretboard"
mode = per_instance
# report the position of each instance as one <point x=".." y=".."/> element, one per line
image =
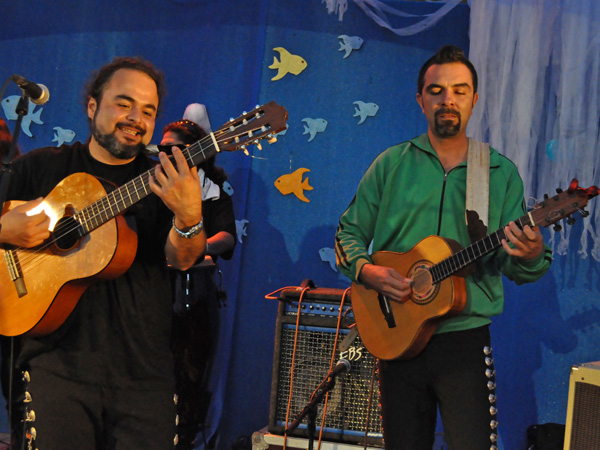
<point x="117" y="201"/>
<point x="473" y="252"/>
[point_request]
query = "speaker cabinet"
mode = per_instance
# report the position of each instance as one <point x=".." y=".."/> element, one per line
<point x="582" y="431"/>
<point x="352" y="414"/>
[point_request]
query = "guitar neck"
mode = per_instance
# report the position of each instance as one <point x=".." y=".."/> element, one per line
<point x="117" y="201"/>
<point x="473" y="252"/>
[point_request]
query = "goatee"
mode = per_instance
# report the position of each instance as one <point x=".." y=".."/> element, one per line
<point x="446" y="128"/>
<point x="111" y="144"/>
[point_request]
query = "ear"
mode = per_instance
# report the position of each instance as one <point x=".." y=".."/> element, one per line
<point x="420" y="102"/>
<point x="92" y="106"/>
<point x="475" y="98"/>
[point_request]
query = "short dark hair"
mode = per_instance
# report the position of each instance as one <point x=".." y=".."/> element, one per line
<point x="446" y="54"/>
<point x="95" y="85"/>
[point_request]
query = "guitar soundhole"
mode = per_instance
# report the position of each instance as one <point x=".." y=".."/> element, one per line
<point x="424" y="290"/>
<point x="66" y="233"/>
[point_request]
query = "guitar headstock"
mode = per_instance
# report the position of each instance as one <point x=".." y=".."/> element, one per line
<point x="563" y="204"/>
<point x="263" y="122"/>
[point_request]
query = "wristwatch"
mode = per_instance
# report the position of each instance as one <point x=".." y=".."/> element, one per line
<point x="194" y="231"/>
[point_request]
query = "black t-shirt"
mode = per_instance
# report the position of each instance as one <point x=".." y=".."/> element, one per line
<point x="118" y="334"/>
<point x="218" y="216"/>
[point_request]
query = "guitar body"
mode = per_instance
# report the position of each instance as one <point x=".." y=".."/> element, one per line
<point x="417" y="316"/>
<point x="56" y="277"/>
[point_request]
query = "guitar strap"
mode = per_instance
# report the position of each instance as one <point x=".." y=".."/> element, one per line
<point x="478" y="189"/>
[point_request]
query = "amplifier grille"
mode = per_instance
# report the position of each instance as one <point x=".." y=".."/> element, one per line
<point x="348" y="412"/>
<point x="586" y="421"/>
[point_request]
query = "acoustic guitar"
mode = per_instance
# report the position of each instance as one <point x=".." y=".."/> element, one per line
<point x="401" y="329"/>
<point x="89" y="240"/>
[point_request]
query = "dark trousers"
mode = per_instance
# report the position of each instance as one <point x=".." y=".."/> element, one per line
<point x="76" y="416"/>
<point x="454" y="373"/>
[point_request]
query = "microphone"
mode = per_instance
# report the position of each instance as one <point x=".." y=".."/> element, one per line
<point x="37" y="93"/>
<point x="343" y="365"/>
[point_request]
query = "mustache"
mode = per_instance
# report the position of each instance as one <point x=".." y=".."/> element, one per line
<point x="441" y="111"/>
<point x="133" y="127"/>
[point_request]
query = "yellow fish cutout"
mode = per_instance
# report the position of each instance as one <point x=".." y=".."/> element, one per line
<point x="289" y="63"/>
<point x="292" y="183"/>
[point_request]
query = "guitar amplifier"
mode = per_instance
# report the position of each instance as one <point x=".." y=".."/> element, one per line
<point x="352" y="414"/>
<point x="582" y="431"/>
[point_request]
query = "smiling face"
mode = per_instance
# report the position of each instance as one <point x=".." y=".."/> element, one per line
<point x="123" y="118"/>
<point x="447" y="99"/>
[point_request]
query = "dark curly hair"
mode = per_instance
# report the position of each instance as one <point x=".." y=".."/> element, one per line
<point x="188" y="133"/>
<point x="446" y="54"/>
<point x="94" y="88"/>
<point x="5" y="141"/>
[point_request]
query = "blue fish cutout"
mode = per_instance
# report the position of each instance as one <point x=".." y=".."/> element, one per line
<point x="365" y="110"/>
<point x="314" y="126"/>
<point x="228" y="188"/>
<point x="240" y="229"/>
<point x="327" y="254"/>
<point x="61" y="136"/>
<point x="9" y="105"/>
<point x="289" y="64"/>
<point x="349" y="43"/>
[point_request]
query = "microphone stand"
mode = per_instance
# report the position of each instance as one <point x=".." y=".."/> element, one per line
<point x="5" y="175"/>
<point x="310" y="410"/>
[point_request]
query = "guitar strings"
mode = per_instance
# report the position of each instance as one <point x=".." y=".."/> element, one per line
<point x="103" y="205"/>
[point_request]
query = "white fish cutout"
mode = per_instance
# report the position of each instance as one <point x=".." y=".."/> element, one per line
<point x="283" y="133"/>
<point x="9" y="105"/>
<point x="61" y="136"/>
<point x="327" y="254"/>
<point x="228" y="188"/>
<point x="314" y="126"/>
<point x="349" y="43"/>
<point x="240" y="229"/>
<point x="365" y="110"/>
<point x="289" y="63"/>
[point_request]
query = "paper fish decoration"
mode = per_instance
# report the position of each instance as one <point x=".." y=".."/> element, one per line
<point x="240" y="229"/>
<point x="283" y="133"/>
<point x="365" y="110"/>
<point x="314" y="126"/>
<point x="327" y="254"/>
<point x="349" y="43"/>
<point x="289" y="64"/>
<point x="228" y="188"/>
<point x="292" y="183"/>
<point x="61" y="136"/>
<point x="9" y="105"/>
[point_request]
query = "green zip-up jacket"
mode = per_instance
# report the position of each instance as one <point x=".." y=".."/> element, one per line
<point x="405" y="196"/>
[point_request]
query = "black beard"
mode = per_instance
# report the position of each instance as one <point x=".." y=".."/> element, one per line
<point x="447" y="129"/>
<point x="110" y="143"/>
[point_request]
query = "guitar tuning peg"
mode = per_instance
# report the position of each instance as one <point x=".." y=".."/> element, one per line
<point x="245" y="150"/>
<point x="557" y="227"/>
<point x="258" y="146"/>
<point x="271" y="139"/>
<point x="558" y="190"/>
<point x="570" y="220"/>
<point x="545" y="196"/>
<point x="584" y="213"/>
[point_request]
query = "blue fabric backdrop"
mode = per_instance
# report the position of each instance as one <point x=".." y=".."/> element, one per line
<point x="218" y="53"/>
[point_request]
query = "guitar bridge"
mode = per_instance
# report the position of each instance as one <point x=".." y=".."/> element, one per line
<point x="14" y="270"/>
